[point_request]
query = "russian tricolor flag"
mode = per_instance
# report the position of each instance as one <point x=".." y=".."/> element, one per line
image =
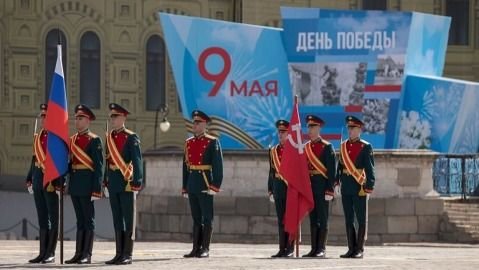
<point x="56" y="123"/>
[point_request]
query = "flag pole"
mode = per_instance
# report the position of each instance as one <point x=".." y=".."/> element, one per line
<point x="61" y="223"/>
<point x="298" y="233"/>
<point x="298" y="238"/>
<point x="61" y="185"/>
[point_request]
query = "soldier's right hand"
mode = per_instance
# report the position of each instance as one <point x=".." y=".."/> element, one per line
<point x="106" y="193"/>
<point x="271" y="198"/>
<point x="30" y="188"/>
<point x="337" y="189"/>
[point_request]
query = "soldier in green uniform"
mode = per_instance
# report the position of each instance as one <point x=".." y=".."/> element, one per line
<point x="46" y="199"/>
<point x="202" y="177"/>
<point x="86" y="172"/>
<point x="356" y="176"/>
<point x="322" y="169"/>
<point x="123" y="180"/>
<point x="277" y="189"/>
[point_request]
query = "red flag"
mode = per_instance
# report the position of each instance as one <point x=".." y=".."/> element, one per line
<point x="294" y="168"/>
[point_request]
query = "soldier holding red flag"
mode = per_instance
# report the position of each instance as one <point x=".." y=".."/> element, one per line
<point x="322" y="169"/>
<point x="277" y="189"/>
<point x="85" y="181"/>
<point x="46" y="200"/>
<point x="356" y="175"/>
<point x="124" y="180"/>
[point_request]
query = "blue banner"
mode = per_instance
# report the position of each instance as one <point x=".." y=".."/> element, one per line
<point x="338" y="62"/>
<point x="440" y="114"/>
<point x="345" y="62"/>
<point x="235" y="73"/>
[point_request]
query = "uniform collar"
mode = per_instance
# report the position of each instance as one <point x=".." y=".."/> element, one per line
<point x="354" y="140"/>
<point x="83" y="132"/>
<point x="200" y="135"/>
<point x="116" y="131"/>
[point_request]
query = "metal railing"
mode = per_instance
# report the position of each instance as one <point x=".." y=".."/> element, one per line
<point x="25" y="223"/>
<point x="457" y="174"/>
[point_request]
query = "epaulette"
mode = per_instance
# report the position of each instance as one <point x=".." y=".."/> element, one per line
<point x="211" y="137"/>
<point x="93" y="135"/>
<point x="325" y="142"/>
<point x="129" y="132"/>
<point x="364" y="142"/>
<point x="190" y="138"/>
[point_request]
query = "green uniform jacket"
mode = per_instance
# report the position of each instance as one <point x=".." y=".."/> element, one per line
<point x="319" y="183"/>
<point x="131" y="152"/>
<point x="276" y="185"/>
<point x="86" y="182"/>
<point x="35" y="174"/>
<point x="364" y="160"/>
<point x="207" y="152"/>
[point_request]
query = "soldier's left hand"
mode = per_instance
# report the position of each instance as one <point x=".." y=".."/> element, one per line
<point x="94" y="198"/>
<point x="135" y="193"/>
<point x="211" y="192"/>
<point x="328" y="197"/>
<point x="106" y="193"/>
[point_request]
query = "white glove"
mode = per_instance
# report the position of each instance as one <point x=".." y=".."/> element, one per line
<point x="185" y="195"/>
<point x="94" y="198"/>
<point x="337" y="190"/>
<point x="328" y="197"/>
<point x="135" y="193"/>
<point x="211" y="192"/>
<point x="58" y="193"/>
<point x="271" y="198"/>
<point x="30" y="189"/>
<point x="105" y="192"/>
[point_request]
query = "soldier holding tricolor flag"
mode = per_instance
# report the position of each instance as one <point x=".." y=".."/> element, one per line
<point x="50" y="164"/>
<point x="46" y="200"/>
<point x="85" y="181"/>
<point x="356" y="176"/>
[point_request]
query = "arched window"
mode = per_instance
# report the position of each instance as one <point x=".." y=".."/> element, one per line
<point x="53" y="38"/>
<point x="90" y="70"/>
<point x="155" y="73"/>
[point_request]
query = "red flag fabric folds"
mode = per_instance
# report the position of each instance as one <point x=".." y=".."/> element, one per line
<point x="294" y="168"/>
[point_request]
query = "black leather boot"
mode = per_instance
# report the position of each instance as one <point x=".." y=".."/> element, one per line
<point x="322" y="239"/>
<point x="314" y="242"/>
<point x="289" y="251"/>
<point x="359" y="252"/>
<point x="43" y="239"/>
<point x="205" y="243"/>
<point x="126" y="257"/>
<point x="351" y="235"/>
<point x="119" y="247"/>
<point x="52" y="245"/>
<point x="78" y="248"/>
<point x="196" y="242"/>
<point x="282" y="246"/>
<point x="87" y="248"/>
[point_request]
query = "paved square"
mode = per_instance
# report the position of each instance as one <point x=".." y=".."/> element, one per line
<point x="168" y="255"/>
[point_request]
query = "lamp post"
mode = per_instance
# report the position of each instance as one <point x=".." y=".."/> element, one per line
<point x="164" y="125"/>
